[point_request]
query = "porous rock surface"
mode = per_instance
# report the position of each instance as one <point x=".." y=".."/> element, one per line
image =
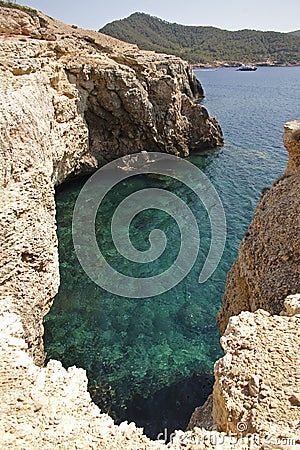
<point x="258" y="380"/>
<point x="70" y="101"/>
<point x="49" y="408"/>
<point x="256" y="396"/>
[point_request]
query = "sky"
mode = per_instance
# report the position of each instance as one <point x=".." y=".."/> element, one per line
<point x="231" y="14"/>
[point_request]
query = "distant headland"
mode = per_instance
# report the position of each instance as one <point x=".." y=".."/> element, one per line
<point x="205" y="46"/>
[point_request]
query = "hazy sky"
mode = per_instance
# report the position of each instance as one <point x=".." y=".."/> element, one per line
<point x="229" y="14"/>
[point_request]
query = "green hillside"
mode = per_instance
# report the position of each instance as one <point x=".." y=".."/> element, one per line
<point x="205" y="44"/>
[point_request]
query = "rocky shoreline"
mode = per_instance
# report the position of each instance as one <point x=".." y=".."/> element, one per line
<point x="65" y="92"/>
<point x="228" y="65"/>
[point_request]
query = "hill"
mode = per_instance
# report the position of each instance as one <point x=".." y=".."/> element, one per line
<point x="200" y="44"/>
<point x="297" y="33"/>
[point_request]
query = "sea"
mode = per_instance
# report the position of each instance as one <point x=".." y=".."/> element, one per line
<point x="151" y="360"/>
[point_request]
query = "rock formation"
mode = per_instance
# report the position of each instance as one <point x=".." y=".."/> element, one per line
<point x="124" y="99"/>
<point x="268" y="264"/>
<point x="70" y="101"/>
<point x="257" y="381"/>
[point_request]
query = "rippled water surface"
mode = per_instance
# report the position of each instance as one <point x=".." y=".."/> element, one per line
<point x="151" y="360"/>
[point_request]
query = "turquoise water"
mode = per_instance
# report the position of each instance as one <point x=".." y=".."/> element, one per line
<point x="151" y="360"/>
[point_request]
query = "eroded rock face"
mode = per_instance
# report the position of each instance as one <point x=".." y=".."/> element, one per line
<point x="268" y="264"/>
<point x="258" y="380"/>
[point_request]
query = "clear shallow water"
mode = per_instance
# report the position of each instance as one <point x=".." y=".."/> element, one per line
<point x="151" y="360"/>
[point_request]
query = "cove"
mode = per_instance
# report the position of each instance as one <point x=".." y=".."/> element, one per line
<point x="151" y="360"/>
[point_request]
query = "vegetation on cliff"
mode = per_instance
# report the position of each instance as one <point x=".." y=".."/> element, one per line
<point x="200" y="44"/>
<point x="13" y="4"/>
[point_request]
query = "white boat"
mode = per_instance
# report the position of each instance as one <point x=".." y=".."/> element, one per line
<point x="246" y="68"/>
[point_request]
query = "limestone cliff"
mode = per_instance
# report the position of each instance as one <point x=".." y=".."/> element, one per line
<point x="72" y="100"/>
<point x="123" y="100"/>
<point x="268" y="264"/>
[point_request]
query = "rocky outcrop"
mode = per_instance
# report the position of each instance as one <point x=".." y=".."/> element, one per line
<point x="50" y="408"/>
<point x="291" y="138"/>
<point x="72" y="100"/>
<point x="256" y="394"/>
<point x="255" y="401"/>
<point x="258" y="380"/>
<point x="128" y="100"/>
<point x="268" y="264"/>
<point x="257" y="387"/>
